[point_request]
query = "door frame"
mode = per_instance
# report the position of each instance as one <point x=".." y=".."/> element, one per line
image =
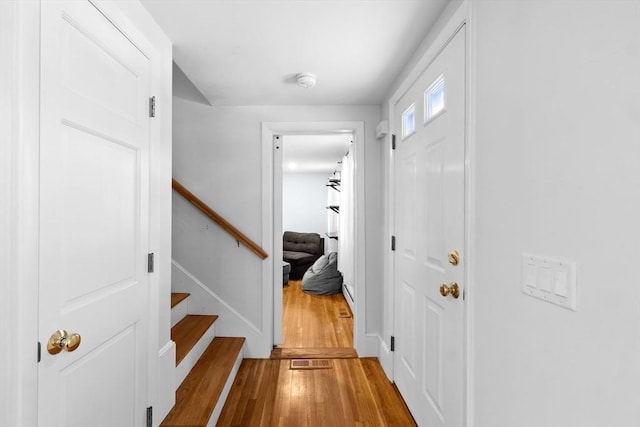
<point x="453" y="18"/>
<point x="19" y="192"/>
<point x="20" y="221"/>
<point x="272" y="224"/>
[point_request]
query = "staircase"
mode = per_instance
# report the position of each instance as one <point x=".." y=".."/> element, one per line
<point x="206" y="366"/>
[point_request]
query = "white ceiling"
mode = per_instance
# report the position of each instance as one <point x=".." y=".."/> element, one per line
<point x="314" y="153"/>
<point x="247" y="52"/>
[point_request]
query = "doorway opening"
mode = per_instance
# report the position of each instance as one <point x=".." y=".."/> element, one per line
<point x="317" y="221"/>
<point x="272" y="134"/>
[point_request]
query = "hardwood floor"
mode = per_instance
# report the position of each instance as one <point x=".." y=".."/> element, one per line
<point x="313" y="321"/>
<point x="354" y="392"/>
<point x="351" y="392"/>
<point x="314" y="353"/>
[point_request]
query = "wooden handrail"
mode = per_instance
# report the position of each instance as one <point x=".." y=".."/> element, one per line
<point x="202" y="206"/>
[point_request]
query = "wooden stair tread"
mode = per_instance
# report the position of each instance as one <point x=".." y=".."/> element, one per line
<point x="188" y="331"/>
<point x="200" y="391"/>
<point x="177" y="298"/>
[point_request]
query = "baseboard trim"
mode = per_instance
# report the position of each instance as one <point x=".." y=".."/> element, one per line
<point x="385" y="355"/>
<point x="167" y="380"/>
<point x="370" y="346"/>
<point x="348" y="297"/>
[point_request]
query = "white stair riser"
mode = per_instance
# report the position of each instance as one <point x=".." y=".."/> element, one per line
<point x="185" y="366"/>
<point x="179" y="312"/>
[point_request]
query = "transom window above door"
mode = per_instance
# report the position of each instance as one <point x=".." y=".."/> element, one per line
<point x="434" y="99"/>
<point x="409" y="121"/>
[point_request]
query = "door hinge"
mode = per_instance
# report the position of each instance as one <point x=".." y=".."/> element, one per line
<point x="149" y="416"/>
<point x="39" y="352"/>
<point x="393" y="141"/>
<point x="393" y="243"/>
<point x="152" y="106"/>
<point x="150" y="263"/>
<point x="393" y="343"/>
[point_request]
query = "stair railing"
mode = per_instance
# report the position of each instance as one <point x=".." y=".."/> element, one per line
<point x="218" y="219"/>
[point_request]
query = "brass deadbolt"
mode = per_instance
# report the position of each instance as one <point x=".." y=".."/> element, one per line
<point x="454" y="257"/>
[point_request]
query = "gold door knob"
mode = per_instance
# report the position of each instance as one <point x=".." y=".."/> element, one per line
<point x="62" y="340"/>
<point x="452" y="289"/>
<point x="454" y="257"/>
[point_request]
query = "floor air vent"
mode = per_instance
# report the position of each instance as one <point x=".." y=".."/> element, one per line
<point x="343" y="312"/>
<point x="311" y="364"/>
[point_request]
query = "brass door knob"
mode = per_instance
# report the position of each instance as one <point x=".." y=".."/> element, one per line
<point x="454" y="257"/>
<point x="452" y="289"/>
<point x="62" y="340"/>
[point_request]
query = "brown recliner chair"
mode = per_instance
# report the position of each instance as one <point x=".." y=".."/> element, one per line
<point x="301" y="250"/>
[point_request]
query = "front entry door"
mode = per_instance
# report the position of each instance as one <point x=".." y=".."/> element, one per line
<point x="94" y="191"/>
<point x="429" y="211"/>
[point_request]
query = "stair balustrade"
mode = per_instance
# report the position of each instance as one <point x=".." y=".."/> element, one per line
<point x="218" y="219"/>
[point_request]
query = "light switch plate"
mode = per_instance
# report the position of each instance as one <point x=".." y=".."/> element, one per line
<point x="550" y="279"/>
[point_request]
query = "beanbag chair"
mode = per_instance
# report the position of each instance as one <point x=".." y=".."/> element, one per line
<point x="323" y="277"/>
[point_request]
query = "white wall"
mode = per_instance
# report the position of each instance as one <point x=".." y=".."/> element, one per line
<point x="217" y="155"/>
<point x="555" y="146"/>
<point x="557" y="143"/>
<point x="304" y="202"/>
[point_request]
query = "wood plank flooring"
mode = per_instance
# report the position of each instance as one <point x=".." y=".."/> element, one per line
<point x="351" y="392"/>
<point x="313" y="321"/>
<point x="355" y="392"/>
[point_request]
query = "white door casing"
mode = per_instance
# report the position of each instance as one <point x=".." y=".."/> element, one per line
<point x="94" y="230"/>
<point x="429" y="224"/>
<point x="365" y="344"/>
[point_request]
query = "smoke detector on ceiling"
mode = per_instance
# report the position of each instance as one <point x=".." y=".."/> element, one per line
<point x="306" y="80"/>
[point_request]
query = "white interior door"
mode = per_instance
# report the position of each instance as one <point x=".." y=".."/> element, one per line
<point x="94" y="149"/>
<point x="429" y="212"/>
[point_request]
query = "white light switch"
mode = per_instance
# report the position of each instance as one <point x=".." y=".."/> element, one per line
<point x="544" y="278"/>
<point x="530" y="274"/>
<point x="561" y="284"/>
<point x="550" y="279"/>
